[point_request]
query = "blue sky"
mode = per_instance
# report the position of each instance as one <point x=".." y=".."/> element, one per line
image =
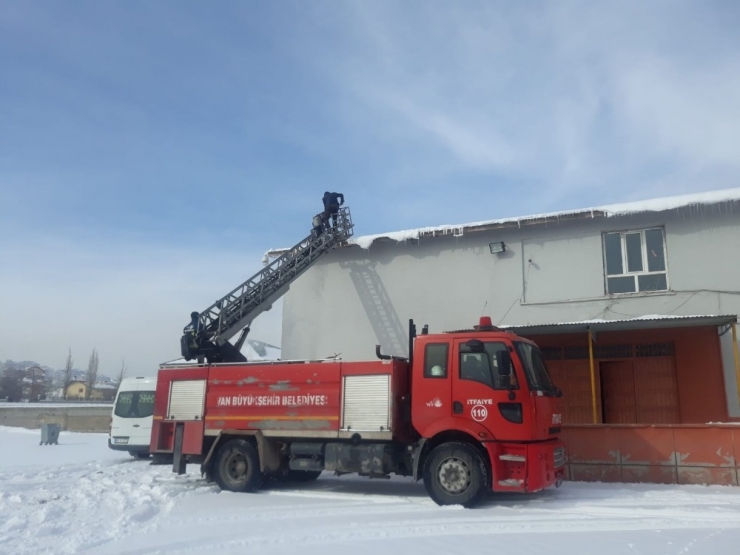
<point x="151" y="152"/>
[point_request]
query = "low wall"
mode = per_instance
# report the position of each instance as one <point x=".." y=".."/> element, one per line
<point x="73" y="419"/>
<point x="659" y="454"/>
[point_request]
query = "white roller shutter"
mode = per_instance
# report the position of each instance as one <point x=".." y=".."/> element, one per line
<point x="366" y="403"/>
<point x="186" y="400"/>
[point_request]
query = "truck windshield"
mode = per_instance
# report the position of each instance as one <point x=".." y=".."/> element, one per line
<point x="135" y="404"/>
<point x="535" y="367"/>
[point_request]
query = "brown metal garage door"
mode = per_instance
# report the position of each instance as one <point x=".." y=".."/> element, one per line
<point x="656" y="391"/>
<point x="574" y="378"/>
<point x="639" y="391"/>
<point x="636" y="384"/>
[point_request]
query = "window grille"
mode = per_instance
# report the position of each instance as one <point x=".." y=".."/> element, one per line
<point x="654" y="350"/>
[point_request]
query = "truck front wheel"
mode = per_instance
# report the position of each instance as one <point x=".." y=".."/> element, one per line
<point x="455" y="474"/>
<point x="237" y="467"/>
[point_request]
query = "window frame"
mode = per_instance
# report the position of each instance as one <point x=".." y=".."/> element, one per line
<point x="427" y="368"/>
<point x="495" y="378"/>
<point x="635" y="275"/>
<point x="133" y="410"/>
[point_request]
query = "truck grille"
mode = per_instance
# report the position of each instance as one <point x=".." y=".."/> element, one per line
<point x="559" y="457"/>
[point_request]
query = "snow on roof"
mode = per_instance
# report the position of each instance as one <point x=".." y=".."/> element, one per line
<point x="636" y="322"/>
<point x="604" y="321"/>
<point x="610" y="210"/>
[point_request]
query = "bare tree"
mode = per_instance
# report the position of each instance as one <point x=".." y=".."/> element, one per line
<point x="67" y="374"/>
<point x="35" y="377"/>
<point x="121" y="374"/>
<point x="91" y="377"/>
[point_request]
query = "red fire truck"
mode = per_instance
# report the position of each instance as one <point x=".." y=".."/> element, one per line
<point x="468" y="412"/>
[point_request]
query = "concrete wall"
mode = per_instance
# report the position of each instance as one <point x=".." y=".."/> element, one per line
<point x="678" y="454"/>
<point x="73" y="419"/>
<point x="355" y="298"/>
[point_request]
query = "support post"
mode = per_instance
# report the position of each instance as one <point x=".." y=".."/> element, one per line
<point x="737" y="358"/>
<point x="179" y="461"/>
<point x="593" y="374"/>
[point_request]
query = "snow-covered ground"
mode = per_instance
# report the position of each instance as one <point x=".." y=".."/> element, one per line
<point x="80" y="497"/>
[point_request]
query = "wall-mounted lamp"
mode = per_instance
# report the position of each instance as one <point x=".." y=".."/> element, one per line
<point x="497" y="247"/>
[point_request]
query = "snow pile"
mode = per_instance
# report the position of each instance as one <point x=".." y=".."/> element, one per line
<point x="71" y="497"/>
<point x="610" y="210"/>
<point x="81" y="497"/>
<point x="367" y="240"/>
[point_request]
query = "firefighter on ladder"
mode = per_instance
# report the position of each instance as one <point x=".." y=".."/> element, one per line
<point x="332" y="202"/>
<point x="192" y="329"/>
<point x="319" y="223"/>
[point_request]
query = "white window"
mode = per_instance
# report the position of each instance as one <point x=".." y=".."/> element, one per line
<point x="635" y="261"/>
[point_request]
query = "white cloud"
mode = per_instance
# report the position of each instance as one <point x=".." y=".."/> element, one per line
<point x="576" y="97"/>
<point x="688" y="113"/>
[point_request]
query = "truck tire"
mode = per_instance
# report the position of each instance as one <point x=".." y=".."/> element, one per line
<point x="237" y="467"/>
<point x="456" y="474"/>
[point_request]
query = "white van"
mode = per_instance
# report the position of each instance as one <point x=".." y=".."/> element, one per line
<point x="131" y="421"/>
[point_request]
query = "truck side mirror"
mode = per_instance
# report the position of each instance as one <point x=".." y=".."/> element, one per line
<point x="503" y="361"/>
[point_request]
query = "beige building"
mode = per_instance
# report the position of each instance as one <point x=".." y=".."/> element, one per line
<point x="101" y="392"/>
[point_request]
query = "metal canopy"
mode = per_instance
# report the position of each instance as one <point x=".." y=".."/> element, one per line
<point x="642" y="323"/>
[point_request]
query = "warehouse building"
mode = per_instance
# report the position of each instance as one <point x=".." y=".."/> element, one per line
<point x="634" y="306"/>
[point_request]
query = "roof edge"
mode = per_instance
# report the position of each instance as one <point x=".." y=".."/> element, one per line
<point x="637" y="323"/>
<point x="606" y="211"/>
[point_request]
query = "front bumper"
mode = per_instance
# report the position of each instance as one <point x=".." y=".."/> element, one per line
<point x="527" y="467"/>
<point x="127" y="447"/>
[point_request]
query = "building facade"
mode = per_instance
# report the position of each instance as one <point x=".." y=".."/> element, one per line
<point x="634" y="305"/>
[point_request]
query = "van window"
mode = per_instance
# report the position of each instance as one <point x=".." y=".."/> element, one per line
<point x="135" y="404"/>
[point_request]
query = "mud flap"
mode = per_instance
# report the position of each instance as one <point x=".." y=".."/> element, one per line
<point x="417" y="459"/>
<point x="178" y="459"/>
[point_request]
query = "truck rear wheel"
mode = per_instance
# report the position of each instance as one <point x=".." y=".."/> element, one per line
<point x="237" y="466"/>
<point x="455" y="474"/>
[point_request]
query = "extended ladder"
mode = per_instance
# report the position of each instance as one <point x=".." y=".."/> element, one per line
<point x="235" y="311"/>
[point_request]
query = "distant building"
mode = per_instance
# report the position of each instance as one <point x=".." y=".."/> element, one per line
<point x="77" y="390"/>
